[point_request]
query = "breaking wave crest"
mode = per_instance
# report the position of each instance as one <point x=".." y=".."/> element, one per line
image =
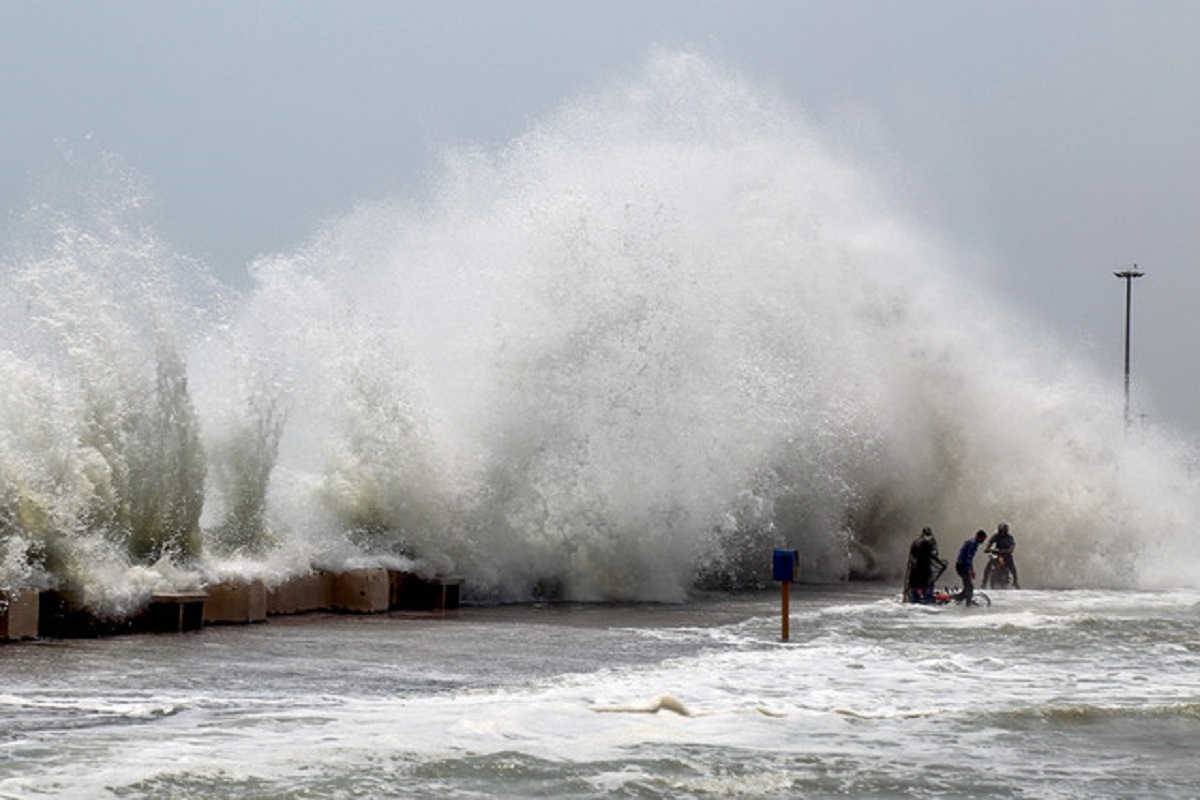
<point x="663" y="332"/>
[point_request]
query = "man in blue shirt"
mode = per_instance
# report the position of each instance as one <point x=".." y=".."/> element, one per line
<point x="965" y="566"/>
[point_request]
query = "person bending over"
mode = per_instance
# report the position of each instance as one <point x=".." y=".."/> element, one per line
<point x="922" y="555"/>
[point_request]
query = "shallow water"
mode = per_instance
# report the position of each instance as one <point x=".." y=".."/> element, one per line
<point x="1045" y="694"/>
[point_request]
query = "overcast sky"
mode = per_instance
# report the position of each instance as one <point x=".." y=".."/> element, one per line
<point x="1049" y="142"/>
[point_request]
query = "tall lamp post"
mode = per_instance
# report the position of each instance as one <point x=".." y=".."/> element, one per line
<point x="1128" y="276"/>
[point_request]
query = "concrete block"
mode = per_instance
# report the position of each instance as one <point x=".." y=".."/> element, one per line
<point x="402" y="589"/>
<point x="236" y="603"/>
<point x="174" y="613"/>
<point x="19" y="614"/>
<point x="302" y="593"/>
<point x="409" y="591"/>
<point x="449" y="588"/>
<point x="61" y="615"/>
<point x="361" y="591"/>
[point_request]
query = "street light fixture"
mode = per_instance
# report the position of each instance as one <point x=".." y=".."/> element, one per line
<point x="1128" y="276"/>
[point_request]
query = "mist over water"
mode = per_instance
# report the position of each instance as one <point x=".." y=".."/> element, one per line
<point x="665" y="331"/>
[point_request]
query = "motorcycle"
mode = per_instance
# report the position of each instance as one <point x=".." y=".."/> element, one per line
<point x="942" y="597"/>
<point x="997" y="574"/>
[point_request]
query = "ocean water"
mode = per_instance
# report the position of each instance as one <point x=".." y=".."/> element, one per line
<point x="1046" y="694"/>
<point x="608" y="366"/>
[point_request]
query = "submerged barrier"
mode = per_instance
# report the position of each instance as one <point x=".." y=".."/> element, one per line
<point x="27" y="614"/>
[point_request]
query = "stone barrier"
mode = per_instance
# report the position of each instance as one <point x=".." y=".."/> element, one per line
<point x="59" y="613"/>
<point x="407" y="591"/>
<point x="19" y="614"/>
<point x="301" y="594"/>
<point x="236" y="603"/>
<point x="361" y="591"/>
<point x="176" y="612"/>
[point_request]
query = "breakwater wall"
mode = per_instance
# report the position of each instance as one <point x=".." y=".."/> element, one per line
<point x="29" y="614"/>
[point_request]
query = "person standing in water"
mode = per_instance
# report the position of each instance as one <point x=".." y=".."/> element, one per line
<point x="965" y="566"/>
<point x="922" y="555"/>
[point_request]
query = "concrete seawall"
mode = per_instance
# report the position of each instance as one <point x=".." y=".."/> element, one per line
<point x="27" y="614"/>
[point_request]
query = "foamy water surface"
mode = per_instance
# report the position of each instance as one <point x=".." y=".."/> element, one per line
<point x="1046" y="694"/>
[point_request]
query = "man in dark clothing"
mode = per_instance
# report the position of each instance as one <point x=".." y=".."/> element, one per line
<point x="1003" y="543"/>
<point x="965" y="566"/>
<point x="922" y="555"/>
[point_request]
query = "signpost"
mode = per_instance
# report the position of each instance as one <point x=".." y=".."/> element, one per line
<point x="786" y="569"/>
